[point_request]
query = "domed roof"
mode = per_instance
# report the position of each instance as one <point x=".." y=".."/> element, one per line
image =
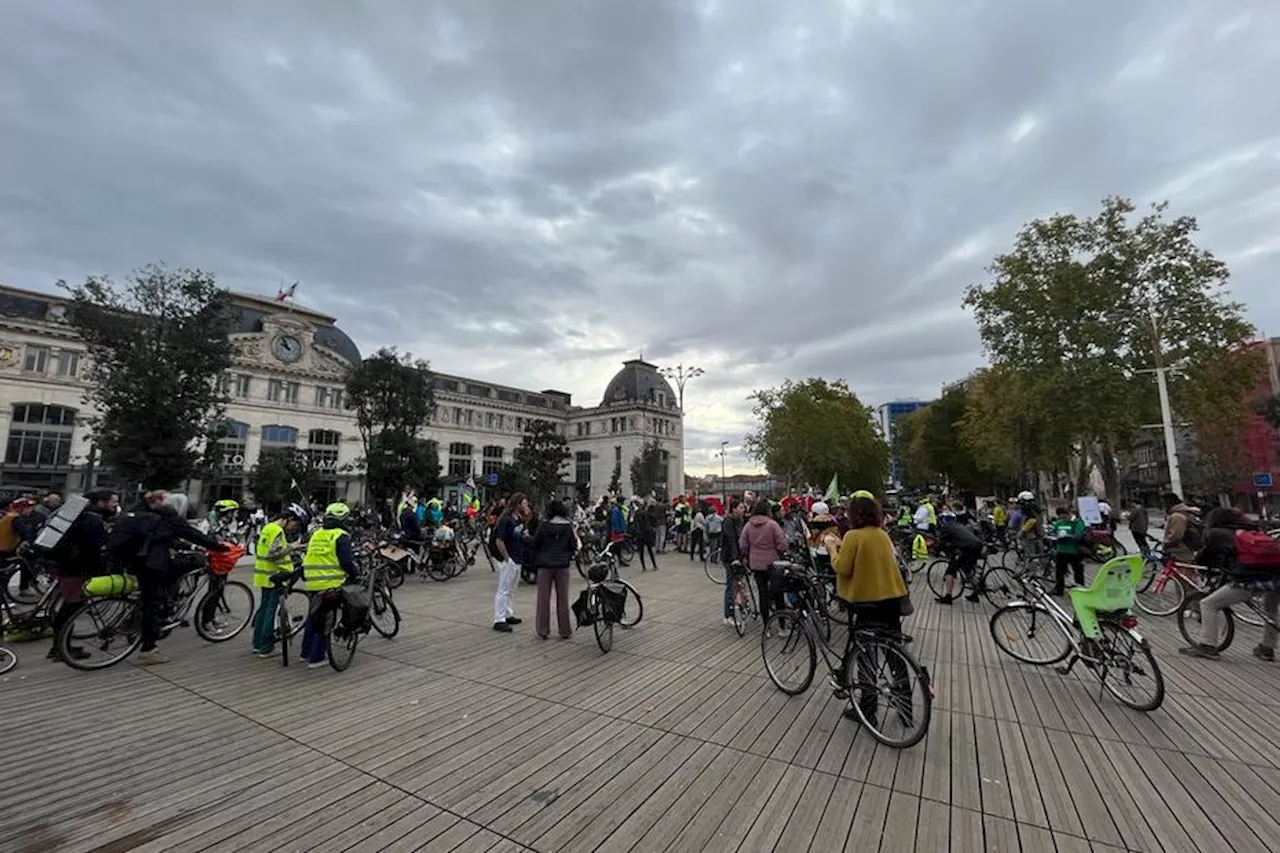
<point x="639" y="381"/>
<point x="248" y="318"/>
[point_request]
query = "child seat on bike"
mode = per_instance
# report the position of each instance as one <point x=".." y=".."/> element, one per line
<point x="1112" y="592"/>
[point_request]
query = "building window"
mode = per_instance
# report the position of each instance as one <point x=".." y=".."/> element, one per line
<point x="328" y="398"/>
<point x="666" y="464"/>
<point x="617" y="454"/>
<point x="492" y="462"/>
<point x="36" y="360"/>
<point x="519" y="424"/>
<point x="232" y="436"/>
<point x="279" y="391"/>
<point x="323" y="448"/>
<point x="68" y="363"/>
<point x="279" y="435"/>
<point x="237" y="385"/>
<point x="459" y="459"/>
<point x="582" y="467"/>
<point x="40" y="436"/>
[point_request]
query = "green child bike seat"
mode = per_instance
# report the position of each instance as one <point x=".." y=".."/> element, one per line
<point x="1113" y="589"/>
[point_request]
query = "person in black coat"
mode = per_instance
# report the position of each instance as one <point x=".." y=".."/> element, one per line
<point x="550" y="549"/>
<point x="78" y="556"/>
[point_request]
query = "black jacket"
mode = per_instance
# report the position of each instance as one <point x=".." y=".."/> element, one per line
<point x="729" y="534"/>
<point x="142" y="541"/>
<point x="79" y="554"/>
<point x="552" y="545"/>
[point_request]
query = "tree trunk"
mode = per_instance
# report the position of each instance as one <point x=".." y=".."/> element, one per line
<point x="1110" y="472"/>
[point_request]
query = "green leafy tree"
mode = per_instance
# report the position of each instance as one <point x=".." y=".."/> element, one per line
<point x="934" y="448"/>
<point x="809" y="430"/>
<point x="539" y="460"/>
<point x="1081" y="306"/>
<point x="393" y="396"/>
<point x="158" y="346"/>
<point x="283" y="475"/>
<point x="646" y="469"/>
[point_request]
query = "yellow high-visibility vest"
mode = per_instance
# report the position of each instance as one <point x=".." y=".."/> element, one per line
<point x="264" y="568"/>
<point x="320" y="567"/>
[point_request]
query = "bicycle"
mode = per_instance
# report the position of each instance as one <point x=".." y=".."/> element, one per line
<point x="1252" y="612"/>
<point x="27" y="619"/>
<point x="113" y="610"/>
<point x="970" y="580"/>
<point x="630" y="616"/>
<point x="1102" y="635"/>
<point x="344" y="626"/>
<point x="852" y="673"/>
<point x="1002" y="584"/>
<point x="383" y="613"/>
<point x="602" y="604"/>
<point x="8" y="659"/>
<point x="744" y="599"/>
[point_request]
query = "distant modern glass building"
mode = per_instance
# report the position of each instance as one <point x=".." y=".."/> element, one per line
<point x="886" y="415"/>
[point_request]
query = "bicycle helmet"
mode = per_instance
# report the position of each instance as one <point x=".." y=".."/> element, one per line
<point x="1026" y="497"/>
<point x="337" y="512"/>
<point x="226" y="505"/>
<point x="862" y="493"/>
<point x="298" y="512"/>
<point x="946" y="515"/>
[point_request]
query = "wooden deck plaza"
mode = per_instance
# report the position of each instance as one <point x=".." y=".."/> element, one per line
<point x="453" y="737"/>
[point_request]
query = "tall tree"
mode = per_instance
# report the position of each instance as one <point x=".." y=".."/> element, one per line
<point x="935" y="450"/>
<point x="615" y="479"/>
<point x="646" y="469"/>
<point x="158" y="346"/>
<point x="539" y="459"/>
<point x="809" y="430"/>
<point x="393" y="396"/>
<point x="1082" y="306"/>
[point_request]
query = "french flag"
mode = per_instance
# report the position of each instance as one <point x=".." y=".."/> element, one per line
<point x="288" y="293"/>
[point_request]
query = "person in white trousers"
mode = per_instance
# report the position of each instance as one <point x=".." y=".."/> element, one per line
<point x="509" y="539"/>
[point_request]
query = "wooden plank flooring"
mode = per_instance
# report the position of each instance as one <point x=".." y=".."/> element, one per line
<point x="458" y="739"/>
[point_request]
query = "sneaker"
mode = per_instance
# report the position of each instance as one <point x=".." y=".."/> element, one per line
<point x="152" y="657"/>
<point x="258" y="654"/>
<point x="504" y="627"/>
<point x="945" y="599"/>
<point x="1264" y="653"/>
<point x="513" y="620"/>
<point x="315" y="664"/>
<point x="1199" y="650"/>
<point x="728" y="620"/>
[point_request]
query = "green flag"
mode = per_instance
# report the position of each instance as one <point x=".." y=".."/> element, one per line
<point x="833" y="489"/>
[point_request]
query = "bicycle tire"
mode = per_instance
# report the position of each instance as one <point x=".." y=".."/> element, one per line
<point x="340" y="650"/>
<point x="393" y="573"/>
<point x="388" y="631"/>
<point x="1000" y="586"/>
<point x="235" y="589"/>
<point x="8" y="659"/>
<point x="1135" y="643"/>
<point x="1150" y="571"/>
<point x="284" y="632"/>
<point x="1171" y="598"/>
<point x="632" y="595"/>
<point x="604" y="632"/>
<point x="889" y="648"/>
<point x="1004" y="638"/>
<point x="784" y="632"/>
<point x="129" y="613"/>
<point x="625" y="552"/>
<point x="1249" y="615"/>
<point x="1189" y="619"/>
<point x="439" y="573"/>
<point x="935" y="576"/>
<point x="715" y="572"/>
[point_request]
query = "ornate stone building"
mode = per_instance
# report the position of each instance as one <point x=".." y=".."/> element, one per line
<point x="286" y="391"/>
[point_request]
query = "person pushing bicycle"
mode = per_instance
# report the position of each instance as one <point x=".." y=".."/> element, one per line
<point x="965" y="549"/>
<point x="273" y="554"/>
<point x="329" y="563"/>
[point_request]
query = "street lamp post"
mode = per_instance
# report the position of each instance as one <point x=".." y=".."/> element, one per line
<point x="724" y="491"/>
<point x="681" y="374"/>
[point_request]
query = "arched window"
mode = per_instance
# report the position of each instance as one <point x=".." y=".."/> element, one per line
<point x="40" y="436"/>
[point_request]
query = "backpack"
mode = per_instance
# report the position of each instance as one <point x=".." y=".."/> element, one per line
<point x="1256" y="551"/>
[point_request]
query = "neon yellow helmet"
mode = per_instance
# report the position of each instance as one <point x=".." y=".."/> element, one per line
<point x="337" y="512"/>
<point x="226" y="505"/>
<point x="861" y="493"/>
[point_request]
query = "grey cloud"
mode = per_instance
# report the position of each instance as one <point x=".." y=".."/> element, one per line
<point x="765" y="189"/>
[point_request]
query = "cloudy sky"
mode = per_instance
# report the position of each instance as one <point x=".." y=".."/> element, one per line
<point x="532" y="190"/>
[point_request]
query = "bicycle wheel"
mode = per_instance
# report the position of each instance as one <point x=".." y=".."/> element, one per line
<point x="284" y="627"/>
<point x="1000" y="586"/>
<point x="110" y="626"/>
<point x="604" y="633"/>
<point x="383" y="612"/>
<point x="625" y="552"/>
<point x="1029" y="633"/>
<point x="1164" y="596"/>
<point x="1191" y="629"/>
<point x="1251" y="615"/>
<point x="223" y="613"/>
<point x="394" y="574"/>
<point x="790" y="656"/>
<point x="633" y="611"/>
<point x="891" y="693"/>
<point x="440" y="571"/>
<point x="8" y="659"/>
<point x="341" y="640"/>
<point x="743" y="605"/>
<point x="715" y="571"/>
<point x="936" y="576"/>
<point x="1129" y="671"/>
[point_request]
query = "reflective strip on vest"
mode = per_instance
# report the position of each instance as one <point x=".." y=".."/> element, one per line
<point x="320" y="567"/>
<point x="264" y="568"/>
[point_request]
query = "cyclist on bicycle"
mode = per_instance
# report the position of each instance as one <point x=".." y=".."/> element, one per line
<point x="964" y="549"/>
<point x="273" y="554"/>
<point x="329" y="563"/>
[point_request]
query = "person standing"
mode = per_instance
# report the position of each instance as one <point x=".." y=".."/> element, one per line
<point x="329" y="563"/>
<point x="509" y="544"/>
<point x="698" y="535"/>
<point x="730" y="552"/>
<point x="550" y="551"/>
<point x="273" y="554"/>
<point x="77" y="556"/>
<point x="762" y="542"/>
<point x="715" y="528"/>
<point x="646" y="533"/>
<point x="1068" y="533"/>
<point x="1138" y="525"/>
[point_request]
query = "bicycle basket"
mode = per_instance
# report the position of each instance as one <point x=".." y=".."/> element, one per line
<point x="222" y="562"/>
<point x="613" y="601"/>
<point x="582" y="610"/>
<point x="355" y="605"/>
<point x="598" y="573"/>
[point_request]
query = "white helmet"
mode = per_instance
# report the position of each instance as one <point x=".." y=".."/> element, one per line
<point x="1026" y="496"/>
